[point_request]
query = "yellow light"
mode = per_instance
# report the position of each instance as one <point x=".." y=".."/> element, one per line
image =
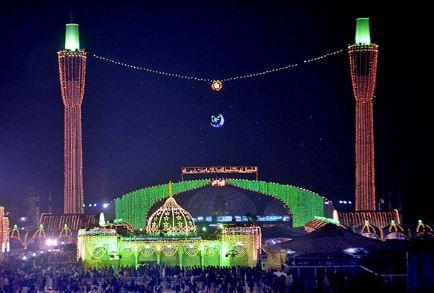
<point x="216" y="85"/>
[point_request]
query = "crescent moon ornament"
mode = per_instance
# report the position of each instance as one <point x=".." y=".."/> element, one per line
<point x="217" y="121"/>
<point x="216" y="85"/>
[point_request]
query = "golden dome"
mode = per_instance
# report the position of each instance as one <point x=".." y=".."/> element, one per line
<point x="171" y="219"/>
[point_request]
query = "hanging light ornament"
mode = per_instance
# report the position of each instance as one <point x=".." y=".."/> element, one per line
<point x="216" y="85"/>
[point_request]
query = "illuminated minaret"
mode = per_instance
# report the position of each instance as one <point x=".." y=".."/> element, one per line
<point x="363" y="57"/>
<point x="72" y="73"/>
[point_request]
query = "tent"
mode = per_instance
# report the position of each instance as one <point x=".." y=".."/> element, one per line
<point x="325" y="240"/>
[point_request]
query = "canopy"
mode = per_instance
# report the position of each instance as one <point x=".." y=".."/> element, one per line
<point x="325" y="240"/>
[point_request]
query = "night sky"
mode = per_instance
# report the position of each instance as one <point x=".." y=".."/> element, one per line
<point x="139" y="128"/>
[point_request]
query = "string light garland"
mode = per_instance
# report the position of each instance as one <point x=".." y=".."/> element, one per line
<point x="133" y="207"/>
<point x="217" y="84"/>
<point x="72" y="76"/>
<point x="303" y="204"/>
<point x="241" y="243"/>
<point x="171" y="220"/>
<point x="363" y="65"/>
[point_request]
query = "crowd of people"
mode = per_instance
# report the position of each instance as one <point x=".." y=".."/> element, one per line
<point x="37" y="274"/>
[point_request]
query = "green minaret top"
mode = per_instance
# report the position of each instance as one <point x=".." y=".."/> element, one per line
<point x="72" y="40"/>
<point x="363" y="35"/>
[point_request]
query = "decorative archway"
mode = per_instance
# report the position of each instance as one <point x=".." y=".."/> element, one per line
<point x="133" y="207"/>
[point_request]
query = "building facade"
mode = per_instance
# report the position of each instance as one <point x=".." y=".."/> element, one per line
<point x="99" y="248"/>
<point x="170" y="239"/>
<point x="4" y="232"/>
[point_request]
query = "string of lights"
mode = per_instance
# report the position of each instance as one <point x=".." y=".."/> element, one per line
<point x="303" y="204"/>
<point x="216" y="84"/>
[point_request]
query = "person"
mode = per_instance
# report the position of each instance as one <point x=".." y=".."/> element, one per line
<point x="326" y="283"/>
<point x="279" y="273"/>
<point x="251" y="285"/>
<point x="289" y="280"/>
<point x="16" y="275"/>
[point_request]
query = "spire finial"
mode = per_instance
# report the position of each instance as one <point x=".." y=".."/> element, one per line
<point x="363" y="35"/>
<point x="170" y="189"/>
<point x="72" y="39"/>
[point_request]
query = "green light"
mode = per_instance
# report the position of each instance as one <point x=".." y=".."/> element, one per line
<point x="304" y="204"/>
<point x="134" y="206"/>
<point x="419" y="222"/>
<point x="204" y="229"/>
<point x="363" y="36"/>
<point x="393" y="222"/>
<point x="72" y="40"/>
<point x="327" y="220"/>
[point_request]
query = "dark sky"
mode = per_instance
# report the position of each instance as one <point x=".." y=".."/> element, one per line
<point x="139" y="128"/>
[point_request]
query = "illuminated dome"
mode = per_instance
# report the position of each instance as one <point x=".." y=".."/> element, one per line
<point x="423" y="230"/>
<point x="370" y="231"/>
<point x="394" y="232"/>
<point x="171" y="219"/>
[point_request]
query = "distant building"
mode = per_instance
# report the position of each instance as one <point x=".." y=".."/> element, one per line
<point x="33" y="209"/>
<point x="4" y="231"/>
<point x="56" y="222"/>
